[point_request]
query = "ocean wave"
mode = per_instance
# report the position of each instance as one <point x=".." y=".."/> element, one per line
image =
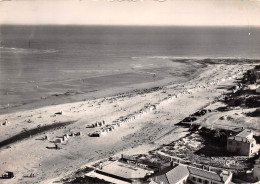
<point x="189" y="57"/>
<point x="169" y="57"/>
<point x="26" y="51"/>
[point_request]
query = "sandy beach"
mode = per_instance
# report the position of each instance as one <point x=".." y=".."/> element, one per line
<point x="36" y="154"/>
<point x="129" y="91"/>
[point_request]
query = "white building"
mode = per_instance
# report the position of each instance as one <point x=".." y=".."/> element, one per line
<point x="242" y="144"/>
<point x="183" y="174"/>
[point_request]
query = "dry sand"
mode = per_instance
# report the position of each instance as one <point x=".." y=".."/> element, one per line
<point x="141" y="135"/>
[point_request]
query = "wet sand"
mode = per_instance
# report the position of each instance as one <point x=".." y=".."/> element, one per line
<point x="143" y="74"/>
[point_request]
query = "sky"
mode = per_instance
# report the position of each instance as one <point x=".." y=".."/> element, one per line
<point x="131" y="12"/>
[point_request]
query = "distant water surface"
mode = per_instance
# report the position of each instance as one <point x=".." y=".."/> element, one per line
<point x="39" y="61"/>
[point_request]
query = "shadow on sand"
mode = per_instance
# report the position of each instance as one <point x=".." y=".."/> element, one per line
<point x="32" y="132"/>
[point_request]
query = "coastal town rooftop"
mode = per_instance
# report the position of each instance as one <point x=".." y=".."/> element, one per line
<point x="106" y="178"/>
<point x="126" y="170"/>
<point x="181" y="173"/>
<point x="120" y="171"/>
<point x="245" y="133"/>
<point x="174" y="175"/>
<point x="244" y="136"/>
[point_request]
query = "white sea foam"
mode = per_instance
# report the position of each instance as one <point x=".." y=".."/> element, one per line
<point x="189" y="57"/>
<point x="26" y="51"/>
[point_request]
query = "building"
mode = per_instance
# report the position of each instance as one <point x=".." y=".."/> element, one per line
<point x="127" y="169"/>
<point x="242" y="144"/>
<point x="183" y="174"/>
<point x="178" y="174"/>
<point x="200" y="176"/>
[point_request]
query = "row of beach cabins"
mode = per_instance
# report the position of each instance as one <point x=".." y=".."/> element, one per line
<point x="106" y="128"/>
<point x="120" y="121"/>
<point x="65" y="137"/>
<point x="60" y="140"/>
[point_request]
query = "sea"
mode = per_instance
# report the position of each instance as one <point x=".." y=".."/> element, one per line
<point x="37" y="62"/>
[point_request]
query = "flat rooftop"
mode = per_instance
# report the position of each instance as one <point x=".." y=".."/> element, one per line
<point x="125" y="170"/>
<point x="106" y="178"/>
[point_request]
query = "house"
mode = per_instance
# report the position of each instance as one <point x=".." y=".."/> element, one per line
<point x="200" y="176"/>
<point x="129" y="169"/>
<point x="178" y="174"/>
<point x="125" y="170"/>
<point x="182" y="174"/>
<point x="242" y="144"/>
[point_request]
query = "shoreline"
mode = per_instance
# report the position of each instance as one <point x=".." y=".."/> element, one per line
<point x="153" y="127"/>
<point x="71" y="96"/>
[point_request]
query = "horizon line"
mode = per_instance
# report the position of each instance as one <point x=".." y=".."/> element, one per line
<point x="130" y="25"/>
